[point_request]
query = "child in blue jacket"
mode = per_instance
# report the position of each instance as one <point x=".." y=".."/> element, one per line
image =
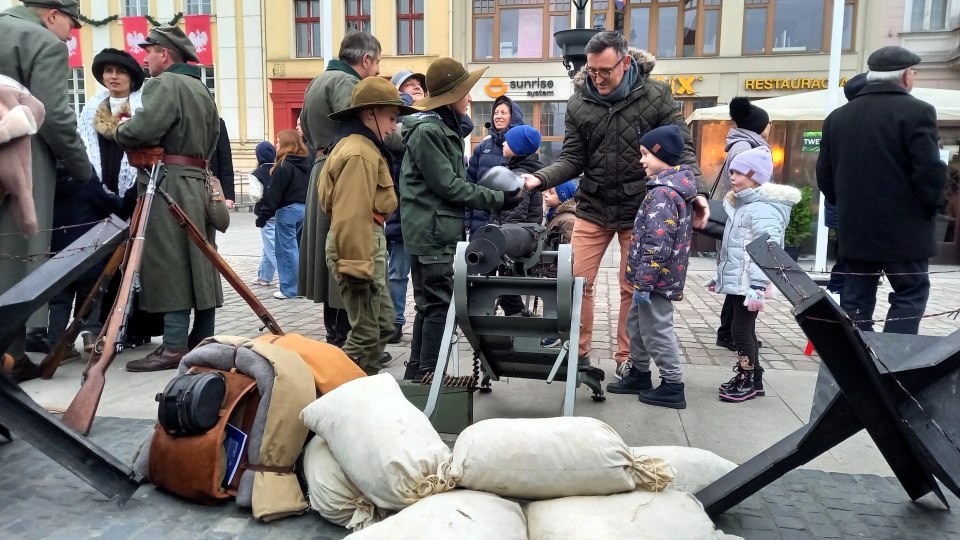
<point x="657" y="269"/>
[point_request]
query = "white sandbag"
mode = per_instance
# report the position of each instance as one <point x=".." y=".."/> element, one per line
<point x="385" y="445"/>
<point x="455" y="515"/>
<point x="548" y="458"/>
<point x="667" y="515"/>
<point x="694" y="468"/>
<point x="331" y="493"/>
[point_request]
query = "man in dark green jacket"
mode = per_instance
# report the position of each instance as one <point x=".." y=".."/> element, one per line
<point x="433" y="193"/>
<point x="614" y="105"/>
<point x="180" y="116"/>
<point x="329" y="92"/>
<point x="32" y="39"/>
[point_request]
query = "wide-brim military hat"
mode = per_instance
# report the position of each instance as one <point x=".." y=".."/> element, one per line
<point x="173" y="38"/>
<point x="70" y="8"/>
<point x="118" y="58"/>
<point x="447" y="82"/>
<point x="371" y="93"/>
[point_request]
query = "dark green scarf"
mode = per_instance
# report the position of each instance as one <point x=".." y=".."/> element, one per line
<point x="337" y="65"/>
<point x="621" y="91"/>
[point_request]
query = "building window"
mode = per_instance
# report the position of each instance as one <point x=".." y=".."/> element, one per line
<point x="409" y="26"/>
<point x="770" y="26"/>
<point x="199" y="7"/>
<point x="76" y="90"/>
<point x="135" y="8"/>
<point x="307" y="23"/>
<point x="518" y="29"/>
<point x="546" y="116"/>
<point x="358" y="15"/>
<point x="665" y="28"/>
<point x="928" y="15"/>
<point x="207" y="76"/>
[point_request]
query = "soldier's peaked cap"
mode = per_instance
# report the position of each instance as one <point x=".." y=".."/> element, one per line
<point x="173" y="38"/>
<point x="71" y="8"/>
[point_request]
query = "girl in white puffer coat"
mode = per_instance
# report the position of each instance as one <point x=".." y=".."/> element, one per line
<point x="754" y="206"/>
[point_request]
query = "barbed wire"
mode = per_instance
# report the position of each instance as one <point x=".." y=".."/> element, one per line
<point x="63" y="228"/>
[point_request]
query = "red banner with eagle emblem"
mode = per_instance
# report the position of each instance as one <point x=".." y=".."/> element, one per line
<point x="73" y="49"/>
<point x="134" y="33"/>
<point x="198" y="30"/>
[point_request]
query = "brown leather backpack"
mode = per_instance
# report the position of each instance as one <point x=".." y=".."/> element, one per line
<point x="194" y="466"/>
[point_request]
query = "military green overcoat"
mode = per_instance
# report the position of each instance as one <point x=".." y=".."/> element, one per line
<point x="178" y="114"/>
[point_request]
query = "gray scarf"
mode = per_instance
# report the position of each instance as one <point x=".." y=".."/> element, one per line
<point x="621" y="91"/>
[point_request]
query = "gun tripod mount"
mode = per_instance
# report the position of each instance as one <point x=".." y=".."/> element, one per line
<point x="505" y="260"/>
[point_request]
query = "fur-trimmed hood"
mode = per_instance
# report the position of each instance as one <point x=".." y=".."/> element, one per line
<point x="645" y="61"/>
<point x="780" y="196"/>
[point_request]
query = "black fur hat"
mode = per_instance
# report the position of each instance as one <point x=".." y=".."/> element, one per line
<point x="118" y="58"/>
<point x="748" y="116"/>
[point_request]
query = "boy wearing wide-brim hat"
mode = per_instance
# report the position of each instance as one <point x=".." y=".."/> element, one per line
<point x="356" y="189"/>
<point x="433" y="193"/>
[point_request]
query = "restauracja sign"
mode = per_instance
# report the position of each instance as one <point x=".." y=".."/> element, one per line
<point x="802" y="83"/>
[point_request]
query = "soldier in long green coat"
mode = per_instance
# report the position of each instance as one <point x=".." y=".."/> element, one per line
<point x="180" y="116"/>
<point x="359" y="57"/>
<point x="32" y="40"/>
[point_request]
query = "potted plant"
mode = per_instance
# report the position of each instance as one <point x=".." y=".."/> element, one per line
<point x="799" y="227"/>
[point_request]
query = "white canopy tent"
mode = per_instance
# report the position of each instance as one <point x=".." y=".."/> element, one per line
<point x="813" y="106"/>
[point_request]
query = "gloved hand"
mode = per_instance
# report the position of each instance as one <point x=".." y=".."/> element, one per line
<point x="261" y="221"/>
<point x="641" y="297"/>
<point x="754" y="299"/>
<point x="511" y="199"/>
<point x="711" y="284"/>
<point x="359" y="284"/>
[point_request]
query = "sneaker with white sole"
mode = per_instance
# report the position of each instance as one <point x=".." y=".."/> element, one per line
<point x="280" y="296"/>
<point x="622" y="369"/>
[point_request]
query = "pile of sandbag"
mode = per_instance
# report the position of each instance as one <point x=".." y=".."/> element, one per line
<point x="377" y="466"/>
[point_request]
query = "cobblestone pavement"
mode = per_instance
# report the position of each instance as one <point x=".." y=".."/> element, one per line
<point x="38" y="499"/>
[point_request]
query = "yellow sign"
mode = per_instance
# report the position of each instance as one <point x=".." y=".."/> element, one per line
<point x="680" y="84"/>
<point x="802" y="83"/>
<point x="495" y="88"/>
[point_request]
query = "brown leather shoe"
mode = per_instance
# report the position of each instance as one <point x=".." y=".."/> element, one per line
<point x="23" y="370"/>
<point x="71" y="354"/>
<point x="158" y="360"/>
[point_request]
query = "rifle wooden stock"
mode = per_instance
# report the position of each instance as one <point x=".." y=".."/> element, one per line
<point x="221" y="265"/>
<point x="52" y="361"/>
<point x="82" y="410"/>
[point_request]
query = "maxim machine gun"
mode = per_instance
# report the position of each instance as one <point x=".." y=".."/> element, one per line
<point x="505" y="260"/>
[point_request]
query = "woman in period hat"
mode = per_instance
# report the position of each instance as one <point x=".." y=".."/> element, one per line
<point x="122" y="77"/>
<point x="433" y="194"/>
<point x="356" y="189"/>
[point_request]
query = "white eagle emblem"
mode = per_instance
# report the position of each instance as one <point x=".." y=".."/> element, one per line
<point x="199" y="39"/>
<point x="72" y="45"/>
<point x="134" y="39"/>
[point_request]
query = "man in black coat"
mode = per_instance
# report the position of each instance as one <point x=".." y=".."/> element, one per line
<point x="221" y="165"/>
<point x="879" y="164"/>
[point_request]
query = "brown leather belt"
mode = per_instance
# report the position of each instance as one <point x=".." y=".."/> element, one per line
<point x="173" y="159"/>
<point x="379" y="219"/>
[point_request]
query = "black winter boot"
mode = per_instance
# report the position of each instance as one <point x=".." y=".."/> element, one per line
<point x="742" y="390"/>
<point x="733" y="380"/>
<point x="634" y="382"/>
<point x="37" y="340"/>
<point x="395" y="338"/>
<point x="669" y="395"/>
<point x="758" y="381"/>
<point x="430" y="347"/>
<point x="411" y="370"/>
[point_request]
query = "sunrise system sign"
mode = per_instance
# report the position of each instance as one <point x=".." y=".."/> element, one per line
<point x="532" y="87"/>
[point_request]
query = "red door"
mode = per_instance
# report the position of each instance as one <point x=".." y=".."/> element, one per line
<point x="287" y="98"/>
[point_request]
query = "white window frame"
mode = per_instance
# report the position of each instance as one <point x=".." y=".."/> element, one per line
<point x="136" y="8"/>
<point x="198" y="7"/>
<point x="77" y="93"/>
<point x="208" y="75"/>
<point x="950" y="17"/>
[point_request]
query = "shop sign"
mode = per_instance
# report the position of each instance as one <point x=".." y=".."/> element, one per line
<point x="802" y="83"/>
<point x="811" y="141"/>
<point x="530" y="87"/>
<point x="680" y="85"/>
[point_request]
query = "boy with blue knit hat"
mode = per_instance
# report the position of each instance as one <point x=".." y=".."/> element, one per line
<point x="657" y="269"/>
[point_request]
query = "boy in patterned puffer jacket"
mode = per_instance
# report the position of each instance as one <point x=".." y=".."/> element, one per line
<point x="657" y="269"/>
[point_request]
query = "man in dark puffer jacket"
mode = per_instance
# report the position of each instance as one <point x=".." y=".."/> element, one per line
<point x="615" y="103"/>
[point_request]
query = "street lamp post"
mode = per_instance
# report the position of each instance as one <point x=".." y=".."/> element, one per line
<point x="573" y="41"/>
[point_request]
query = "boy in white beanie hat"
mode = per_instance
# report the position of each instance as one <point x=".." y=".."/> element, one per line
<point x="754" y="206"/>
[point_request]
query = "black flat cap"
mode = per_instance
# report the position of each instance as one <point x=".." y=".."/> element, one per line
<point x="892" y="58"/>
